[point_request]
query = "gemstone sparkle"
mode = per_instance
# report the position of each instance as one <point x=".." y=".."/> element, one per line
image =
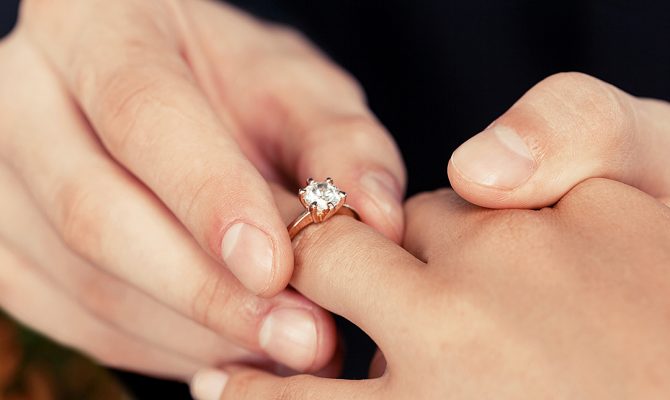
<point x="321" y="194"/>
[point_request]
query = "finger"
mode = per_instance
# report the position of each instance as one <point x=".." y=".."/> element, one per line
<point x="248" y="384"/>
<point x="436" y="220"/>
<point x="599" y="199"/>
<point x="443" y="225"/>
<point x="351" y="269"/>
<point x="51" y="312"/>
<point x="292" y="99"/>
<point x="115" y="223"/>
<point x="121" y="306"/>
<point x="143" y="101"/>
<point x="566" y="129"/>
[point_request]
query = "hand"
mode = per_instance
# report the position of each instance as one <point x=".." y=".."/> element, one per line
<point x="568" y="128"/>
<point x="565" y="302"/>
<point x="143" y="135"/>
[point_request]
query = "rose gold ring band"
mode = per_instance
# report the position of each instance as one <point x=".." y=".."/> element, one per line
<point x="321" y="200"/>
<point x="305" y="219"/>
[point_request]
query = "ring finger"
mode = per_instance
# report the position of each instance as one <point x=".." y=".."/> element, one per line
<point x="71" y="325"/>
<point x="106" y="297"/>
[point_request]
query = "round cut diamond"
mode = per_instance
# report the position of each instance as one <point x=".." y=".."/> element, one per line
<point x="322" y="193"/>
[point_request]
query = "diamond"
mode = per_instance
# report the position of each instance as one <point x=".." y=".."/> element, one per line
<point x="321" y="194"/>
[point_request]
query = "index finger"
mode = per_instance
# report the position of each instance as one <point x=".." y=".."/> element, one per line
<point x="140" y="95"/>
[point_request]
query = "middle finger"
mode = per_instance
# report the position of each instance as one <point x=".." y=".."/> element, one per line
<point x="107" y="297"/>
<point x="114" y="222"/>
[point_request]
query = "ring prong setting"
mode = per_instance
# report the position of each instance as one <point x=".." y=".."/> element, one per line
<point x="314" y="210"/>
<point x="322" y="199"/>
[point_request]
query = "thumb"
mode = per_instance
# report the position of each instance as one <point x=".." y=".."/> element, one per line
<point x="568" y="128"/>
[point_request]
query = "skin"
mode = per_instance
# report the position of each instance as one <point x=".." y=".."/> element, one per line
<point x="527" y="304"/>
<point x="134" y="136"/>
<point x="573" y="127"/>
<point x="100" y="172"/>
<point x="566" y="302"/>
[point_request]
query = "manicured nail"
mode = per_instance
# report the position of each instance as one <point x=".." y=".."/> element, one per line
<point x="387" y="195"/>
<point x="496" y="157"/>
<point x="248" y="253"/>
<point x="289" y="336"/>
<point x="208" y="384"/>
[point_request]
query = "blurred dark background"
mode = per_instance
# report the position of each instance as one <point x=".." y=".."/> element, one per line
<point x="437" y="72"/>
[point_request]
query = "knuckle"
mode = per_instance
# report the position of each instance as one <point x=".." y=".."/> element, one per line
<point x="198" y="190"/>
<point x="274" y="73"/>
<point x="123" y="98"/>
<point x="204" y="199"/>
<point x="210" y="301"/>
<point x="596" y="106"/>
<point x="342" y="84"/>
<point x="311" y="74"/>
<point x="80" y="218"/>
<point x="126" y="100"/>
<point x="294" y="64"/>
<point x="288" y="36"/>
<point x="360" y="133"/>
<point x="97" y="296"/>
<point x="217" y="303"/>
<point x="341" y="81"/>
<point x="599" y="100"/>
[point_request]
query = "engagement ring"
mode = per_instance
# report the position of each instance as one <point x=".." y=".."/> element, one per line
<point x="321" y="200"/>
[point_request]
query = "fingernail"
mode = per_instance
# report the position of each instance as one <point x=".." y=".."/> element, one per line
<point x="208" y="384"/>
<point x="382" y="187"/>
<point x="496" y="157"/>
<point x="247" y="252"/>
<point x="289" y="336"/>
